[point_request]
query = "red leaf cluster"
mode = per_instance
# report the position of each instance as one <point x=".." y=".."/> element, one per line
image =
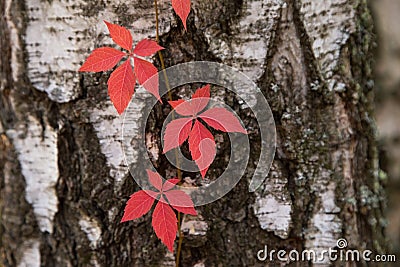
<point x="121" y="84"/>
<point x="201" y="142"/>
<point x="164" y="220"/>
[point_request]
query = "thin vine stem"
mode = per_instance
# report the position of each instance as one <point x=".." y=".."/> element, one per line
<point x="160" y="55"/>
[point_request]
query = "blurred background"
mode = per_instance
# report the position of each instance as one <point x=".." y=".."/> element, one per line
<point x="387" y="20"/>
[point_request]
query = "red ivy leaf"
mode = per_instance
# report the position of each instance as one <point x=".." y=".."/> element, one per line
<point x="200" y="99"/>
<point x="122" y="81"/>
<point x="102" y="59"/>
<point x="223" y="120"/>
<point x="164" y="221"/>
<point x="165" y="224"/>
<point x="198" y="102"/>
<point x="208" y="151"/>
<point x="120" y="35"/>
<point x="182" y="107"/>
<point x="138" y="205"/>
<point x="181" y="201"/>
<point x="182" y="9"/>
<point x="155" y="179"/>
<point x="202" y="92"/>
<point x="176" y="132"/>
<point x="147" y="48"/>
<point x="176" y="103"/>
<point x="144" y="71"/>
<point x="198" y="133"/>
<point x="121" y="86"/>
<point x="169" y="184"/>
<point x="201" y="142"/>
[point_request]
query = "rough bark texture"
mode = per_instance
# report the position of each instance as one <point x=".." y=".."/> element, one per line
<point x="63" y="179"/>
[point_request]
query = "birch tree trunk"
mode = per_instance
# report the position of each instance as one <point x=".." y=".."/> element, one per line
<point x="63" y="179"/>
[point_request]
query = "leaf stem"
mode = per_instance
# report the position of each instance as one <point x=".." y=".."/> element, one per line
<point x="180" y="239"/>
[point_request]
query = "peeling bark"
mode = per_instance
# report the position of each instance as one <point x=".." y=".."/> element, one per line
<point x="64" y="181"/>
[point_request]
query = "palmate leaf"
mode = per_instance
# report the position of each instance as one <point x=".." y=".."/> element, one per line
<point x="164" y="220"/>
<point x="201" y="142"/>
<point x="122" y="81"/>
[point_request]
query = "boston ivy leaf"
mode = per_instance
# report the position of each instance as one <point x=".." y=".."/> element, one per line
<point x="180" y="201"/>
<point x="138" y="205"/>
<point x="169" y="184"/>
<point x="155" y="179"/>
<point x="121" y="86"/>
<point x="147" y="76"/>
<point x="176" y="132"/>
<point x="147" y="48"/>
<point x="223" y="120"/>
<point x="102" y="59"/>
<point x="198" y="102"/>
<point x="120" y="35"/>
<point x="105" y="58"/>
<point x="182" y="107"/>
<point x="208" y="151"/>
<point x="201" y="142"/>
<point x="200" y="99"/>
<point x="198" y="133"/>
<point x="165" y="223"/>
<point x="182" y="9"/>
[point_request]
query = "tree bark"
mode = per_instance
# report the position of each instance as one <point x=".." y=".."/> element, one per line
<point x="63" y="179"/>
